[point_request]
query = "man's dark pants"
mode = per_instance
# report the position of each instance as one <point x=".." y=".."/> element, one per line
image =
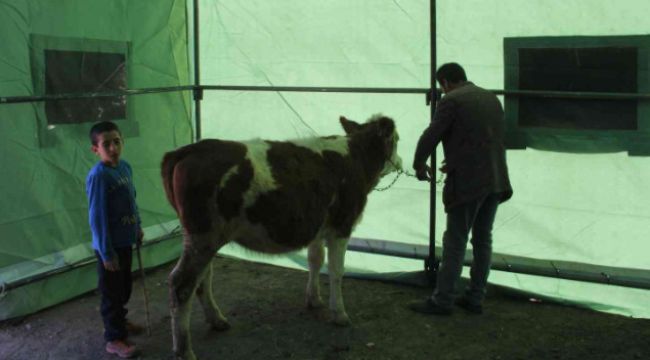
<point x="478" y="217"/>
<point x="115" y="291"/>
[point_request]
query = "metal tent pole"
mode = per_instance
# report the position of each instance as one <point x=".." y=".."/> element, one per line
<point x="430" y="263"/>
<point x="198" y="89"/>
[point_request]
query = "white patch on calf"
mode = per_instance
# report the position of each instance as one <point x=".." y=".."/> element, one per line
<point x="337" y="144"/>
<point x="232" y="171"/>
<point x="263" y="180"/>
<point x="251" y="236"/>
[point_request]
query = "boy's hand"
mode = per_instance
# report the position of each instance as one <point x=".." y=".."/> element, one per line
<point x="140" y="237"/>
<point x="112" y="265"/>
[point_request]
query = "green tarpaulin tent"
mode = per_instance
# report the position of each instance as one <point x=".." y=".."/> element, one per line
<point x="572" y="75"/>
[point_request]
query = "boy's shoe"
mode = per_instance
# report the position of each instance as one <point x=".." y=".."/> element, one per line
<point x="122" y="349"/>
<point x="133" y="328"/>
<point x="463" y="302"/>
<point x="429" y="307"/>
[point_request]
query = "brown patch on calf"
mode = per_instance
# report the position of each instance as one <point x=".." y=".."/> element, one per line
<point x="192" y="174"/>
<point x="293" y="213"/>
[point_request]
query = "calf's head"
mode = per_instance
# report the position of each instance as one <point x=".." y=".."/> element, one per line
<point x="381" y="137"/>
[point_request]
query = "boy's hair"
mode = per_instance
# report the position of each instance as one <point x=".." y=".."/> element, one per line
<point x="102" y="127"/>
<point x="452" y="72"/>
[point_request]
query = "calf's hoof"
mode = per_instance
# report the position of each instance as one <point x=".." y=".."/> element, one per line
<point x="220" y="325"/>
<point x="187" y="356"/>
<point x="315" y="303"/>
<point x="341" y="319"/>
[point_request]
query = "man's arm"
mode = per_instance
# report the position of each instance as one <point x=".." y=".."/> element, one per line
<point x="442" y="120"/>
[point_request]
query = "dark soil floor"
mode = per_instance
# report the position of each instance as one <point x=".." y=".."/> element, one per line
<point x="265" y="306"/>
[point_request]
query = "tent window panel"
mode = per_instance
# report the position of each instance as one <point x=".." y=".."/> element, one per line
<point x="597" y="69"/>
<point x="80" y="72"/>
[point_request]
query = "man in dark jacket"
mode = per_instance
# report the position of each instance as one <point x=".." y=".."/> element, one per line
<point x="469" y="122"/>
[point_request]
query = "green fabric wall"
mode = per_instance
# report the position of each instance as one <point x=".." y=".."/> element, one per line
<point x="43" y="212"/>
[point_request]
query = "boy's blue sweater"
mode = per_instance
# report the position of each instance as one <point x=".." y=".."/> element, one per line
<point x="112" y="211"/>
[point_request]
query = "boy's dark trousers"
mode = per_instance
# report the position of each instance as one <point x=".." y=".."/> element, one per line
<point x="115" y="291"/>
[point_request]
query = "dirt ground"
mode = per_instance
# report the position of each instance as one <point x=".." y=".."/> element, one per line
<point x="265" y="307"/>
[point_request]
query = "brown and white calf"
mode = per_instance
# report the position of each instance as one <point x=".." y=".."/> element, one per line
<point x="271" y="197"/>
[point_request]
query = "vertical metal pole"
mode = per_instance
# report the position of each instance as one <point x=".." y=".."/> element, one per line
<point x="430" y="264"/>
<point x="198" y="90"/>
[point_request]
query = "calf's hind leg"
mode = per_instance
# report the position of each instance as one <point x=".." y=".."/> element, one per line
<point x="315" y="257"/>
<point x="198" y="250"/>
<point x="211" y="310"/>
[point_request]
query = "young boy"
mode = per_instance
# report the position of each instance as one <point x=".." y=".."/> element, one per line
<point x="115" y="227"/>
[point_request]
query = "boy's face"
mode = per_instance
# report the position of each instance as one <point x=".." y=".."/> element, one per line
<point x="109" y="147"/>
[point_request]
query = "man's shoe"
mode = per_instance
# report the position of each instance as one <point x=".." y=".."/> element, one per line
<point x="121" y="348"/>
<point x="464" y="303"/>
<point x="429" y="307"/>
<point x="133" y="328"/>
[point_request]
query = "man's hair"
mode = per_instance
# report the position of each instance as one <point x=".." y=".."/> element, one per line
<point x="452" y="72"/>
<point x="102" y="127"/>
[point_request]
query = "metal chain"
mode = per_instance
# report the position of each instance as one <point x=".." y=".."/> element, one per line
<point x="399" y="172"/>
<point x="440" y="180"/>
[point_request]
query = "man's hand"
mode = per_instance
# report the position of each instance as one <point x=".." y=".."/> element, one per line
<point x="112" y="265"/>
<point x="424" y="173"/>
<point x="443" y="167"/>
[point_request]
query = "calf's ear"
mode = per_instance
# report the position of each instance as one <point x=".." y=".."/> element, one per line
<point x="348" y="125"/>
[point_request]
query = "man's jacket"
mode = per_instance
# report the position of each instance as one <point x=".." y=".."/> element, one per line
<point x="469" y="122"/>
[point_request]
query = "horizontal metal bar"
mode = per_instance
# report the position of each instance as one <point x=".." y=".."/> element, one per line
<point x="320" y="89"/>
<point x="633" y="278"/>
<point x="108" y="94"/>
<point x="392" y="248"/>
<point x="369" y="90"/>
<point x="92" y="95"/>
<point x="573" y="94"/>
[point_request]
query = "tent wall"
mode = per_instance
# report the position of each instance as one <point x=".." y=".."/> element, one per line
<point x="588" y="208"/>
<point x="573" y="207"/>
<point x="43" y="214"/>
<point x="584" y="208"/>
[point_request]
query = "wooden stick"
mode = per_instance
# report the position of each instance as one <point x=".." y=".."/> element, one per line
<point x="144" y="288"/>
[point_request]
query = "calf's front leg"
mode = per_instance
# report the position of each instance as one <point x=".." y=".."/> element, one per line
<point x="336" y="266"/>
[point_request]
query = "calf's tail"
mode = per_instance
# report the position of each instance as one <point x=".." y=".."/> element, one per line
<point x="169" y="162"/>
